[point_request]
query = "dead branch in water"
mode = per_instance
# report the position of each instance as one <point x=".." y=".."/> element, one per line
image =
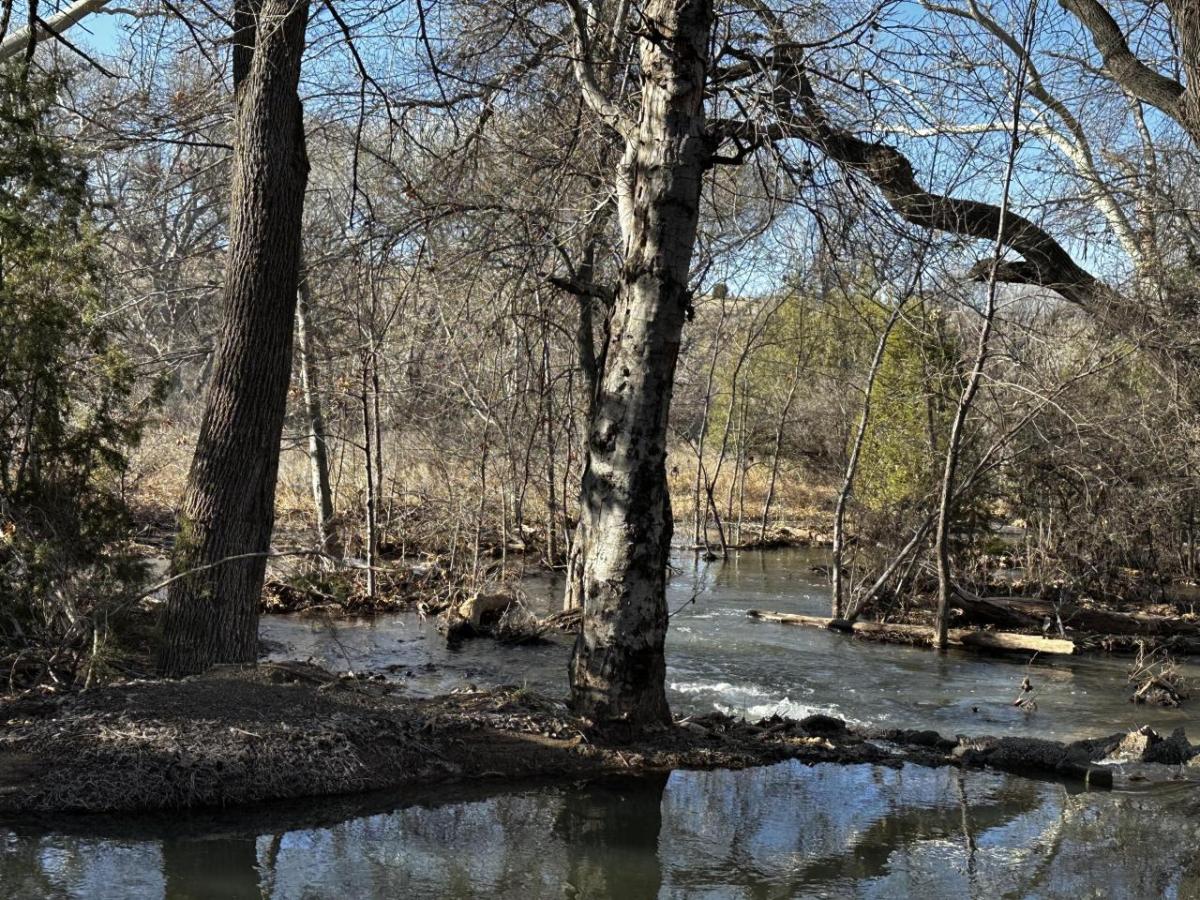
<point x="994" y="641"/>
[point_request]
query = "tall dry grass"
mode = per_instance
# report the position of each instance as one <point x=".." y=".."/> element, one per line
<point x="437" y="502"/>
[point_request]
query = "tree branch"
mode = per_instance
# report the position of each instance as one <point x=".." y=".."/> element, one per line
<point x="55" y="26"/>
<point x="1046" y="263"/>
<point x="1126" y="69"/>
<point x="585" y="73"/>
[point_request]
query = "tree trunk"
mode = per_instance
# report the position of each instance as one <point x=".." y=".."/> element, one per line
<point x="591" y="363"/>
<point x="229" y="506"/>
<point x="547" y="388"/>
<point x="618" y="668"/>
<point x="776" y="447"/>
<point x="314" y="418"/>
<point x="369" y="451"/>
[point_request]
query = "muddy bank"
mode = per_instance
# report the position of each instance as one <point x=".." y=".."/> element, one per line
<point x="291" y="730"/>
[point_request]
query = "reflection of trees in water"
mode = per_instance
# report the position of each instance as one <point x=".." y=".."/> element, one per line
<point x="782" y="834"/>
<point x="60" y="865"/>
<point x="495" y="847"/>
<point x="23" y="868"/>
<point x="1119" y="845"/>
<point x="784" y="831"/>
<point x="223" y="868"/>
<point x="609" y="832"/>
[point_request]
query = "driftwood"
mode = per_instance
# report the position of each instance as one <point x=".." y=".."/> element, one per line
<point x="474" y="616"/>
<point x="993" y="641"/>
<point x="1081" y="618"/>
<point x="993" y="611"/>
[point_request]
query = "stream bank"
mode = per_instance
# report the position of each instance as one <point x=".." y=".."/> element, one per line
<point x="280" y="731"/>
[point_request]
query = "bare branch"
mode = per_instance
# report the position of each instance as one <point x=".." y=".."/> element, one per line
<point x="1126" y="69"/>
<point x="598" y="102"/>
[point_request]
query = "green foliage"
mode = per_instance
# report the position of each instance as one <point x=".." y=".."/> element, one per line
<point x="795" y="335"/>
<point x="912" y="405"/>
<point x="827" y="341"/>
<point x="67" y="417"/>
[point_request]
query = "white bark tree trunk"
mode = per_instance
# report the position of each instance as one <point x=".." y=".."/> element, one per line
<point x="314" y="418"/>
<point x="618" y="668"/>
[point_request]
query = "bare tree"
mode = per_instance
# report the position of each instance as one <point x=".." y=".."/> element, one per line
<point x="314" y="416"/>
<point x="618" y="667"/>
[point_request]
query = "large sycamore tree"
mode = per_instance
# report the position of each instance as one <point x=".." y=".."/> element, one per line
<point x="618" y="668"/>
<point x="695" y="93"/>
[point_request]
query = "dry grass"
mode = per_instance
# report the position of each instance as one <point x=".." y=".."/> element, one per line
<point x="800" y="504"/>
<point x="431" y="498"/>
<point x="1156" y="679"/>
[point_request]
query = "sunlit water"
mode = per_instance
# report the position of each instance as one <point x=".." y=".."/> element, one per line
<point x="719" y="658"/>
<point x="784" y="831"/>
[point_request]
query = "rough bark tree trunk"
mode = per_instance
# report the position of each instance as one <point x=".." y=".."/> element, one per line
<point x="228" y="507"/>
<point x="618" y="667"/>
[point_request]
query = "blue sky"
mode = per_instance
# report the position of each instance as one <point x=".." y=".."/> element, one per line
<point x="106" y="34"/>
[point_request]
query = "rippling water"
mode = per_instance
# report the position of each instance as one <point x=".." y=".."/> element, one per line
<point x="719" y="658"/>
<point x="784" y="831"/>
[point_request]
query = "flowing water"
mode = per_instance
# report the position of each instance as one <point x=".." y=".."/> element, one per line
<point x="720" y="658"/>
<point x="784" y="831"/>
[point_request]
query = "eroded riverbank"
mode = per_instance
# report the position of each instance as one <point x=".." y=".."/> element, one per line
<point x="281" y="731"/>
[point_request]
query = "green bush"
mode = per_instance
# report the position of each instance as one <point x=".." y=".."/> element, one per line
<point x="67" y="415"/>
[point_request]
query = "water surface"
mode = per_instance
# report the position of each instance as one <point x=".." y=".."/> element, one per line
<point x="778" y="832"/>
<point x="719" y="658"/>
<point x="784" y="831"/>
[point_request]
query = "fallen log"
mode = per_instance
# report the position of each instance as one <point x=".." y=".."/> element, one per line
<point x="992" y="611"/>
<point x="1083" y="618"/>
<point x="994" y="641"/>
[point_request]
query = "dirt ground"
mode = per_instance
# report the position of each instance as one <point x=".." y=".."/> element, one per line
<point x="290" y="730"/>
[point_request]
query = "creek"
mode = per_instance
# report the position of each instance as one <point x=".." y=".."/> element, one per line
<point x="782" y="831"/>
<point x="720" y="658"/>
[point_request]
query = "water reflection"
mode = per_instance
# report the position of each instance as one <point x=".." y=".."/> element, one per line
<point x="785" y="831"/>
<point x="211" y="866"/>
<point x="625" y="818"/>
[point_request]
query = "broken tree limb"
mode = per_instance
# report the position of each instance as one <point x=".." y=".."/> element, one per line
<point x="18" y="41"/>
<point x="1084" y="618"/>
<point x="993" y="641"/>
